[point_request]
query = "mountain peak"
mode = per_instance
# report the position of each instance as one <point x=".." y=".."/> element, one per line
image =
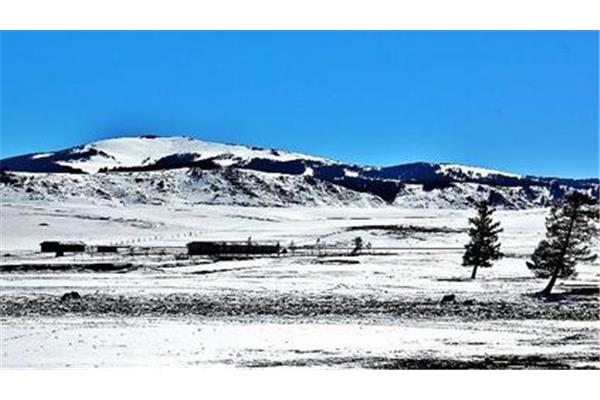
<point x="142" y="150"/>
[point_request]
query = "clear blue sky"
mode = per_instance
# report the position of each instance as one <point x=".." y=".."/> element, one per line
<point x="520" y="101"/>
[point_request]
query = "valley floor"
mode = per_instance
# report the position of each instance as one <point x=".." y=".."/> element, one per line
<point x="380" y="309"/>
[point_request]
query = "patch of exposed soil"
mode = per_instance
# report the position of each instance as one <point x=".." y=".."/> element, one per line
<point x="405" y="231"/>
<point x="574" y="361"/>
<point x="584" y="308"/>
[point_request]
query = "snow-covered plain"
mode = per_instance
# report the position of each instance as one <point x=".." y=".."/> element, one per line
<point x="418" y="263"/>
<point x="143" y="342"/>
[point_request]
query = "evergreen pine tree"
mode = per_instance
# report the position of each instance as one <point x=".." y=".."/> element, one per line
<point x="569" y="228"/>
<point x="484" y="246"/>
<point x="358" y="245"/>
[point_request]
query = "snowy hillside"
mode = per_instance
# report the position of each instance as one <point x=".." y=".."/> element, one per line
<point x="142" y="151"/>
<point x="472" y="172"/>
<point x="165" y="170"/>
<point x="183" y="186"/>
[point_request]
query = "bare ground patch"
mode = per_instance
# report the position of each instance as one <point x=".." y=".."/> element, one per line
<point x="569" y="361"/>
<point x="583" y="308"/>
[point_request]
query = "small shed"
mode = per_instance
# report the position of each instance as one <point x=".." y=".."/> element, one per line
<point x="62" y="247"/>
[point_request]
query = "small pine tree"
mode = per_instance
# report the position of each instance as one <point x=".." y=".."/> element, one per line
<point x="483" y="247"/>
<point x="358" y="244"/>
<point x="569" y="228"/>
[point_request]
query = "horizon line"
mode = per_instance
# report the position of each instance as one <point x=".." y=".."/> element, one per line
<point x="150" y="135"/>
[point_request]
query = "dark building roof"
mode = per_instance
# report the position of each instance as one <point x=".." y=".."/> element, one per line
<point x="63" y="242"/>
<point x="51" y="246"/>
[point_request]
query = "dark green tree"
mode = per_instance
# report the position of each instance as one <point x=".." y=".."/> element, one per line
<point x="483" y="248"/>
<point x="569" y="229"/>
<point x="358" y="245"/>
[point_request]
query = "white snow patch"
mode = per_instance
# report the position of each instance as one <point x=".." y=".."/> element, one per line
<point x="473" y="172"/>
<point x="41" y="155"/>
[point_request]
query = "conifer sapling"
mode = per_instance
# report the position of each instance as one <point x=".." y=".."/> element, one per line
<point x="484" y="246"/>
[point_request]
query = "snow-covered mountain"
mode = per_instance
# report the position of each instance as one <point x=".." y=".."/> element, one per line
<point x="163" y="170"/>
<point x="143" y="151"/>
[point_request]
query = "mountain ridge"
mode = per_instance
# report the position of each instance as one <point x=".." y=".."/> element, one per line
<point x="9" y="159"/>
<point x="152" y="154"/>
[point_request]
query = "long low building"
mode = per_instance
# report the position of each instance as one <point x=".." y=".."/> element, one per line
<point x="62" y="247"/>
<point x="218" y="248"/>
